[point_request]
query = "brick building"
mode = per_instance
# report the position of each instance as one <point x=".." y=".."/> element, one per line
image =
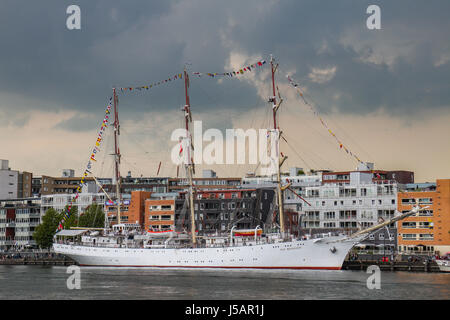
<point x="427" y="231"/>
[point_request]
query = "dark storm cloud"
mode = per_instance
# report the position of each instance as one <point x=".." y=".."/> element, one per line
<point x="403" y="66"/>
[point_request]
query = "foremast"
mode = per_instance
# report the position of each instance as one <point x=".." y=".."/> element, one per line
<point x="117" y="153"/>
<point x="188" y="162"/>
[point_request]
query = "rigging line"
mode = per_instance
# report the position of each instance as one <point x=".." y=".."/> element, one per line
<point x="105" y="153"/>
<point x="132" y="165"/>
<point x="324" y="124"/>
<point x="245" y="167"/>
<point x="315" y="155"/>
<point x="316" y="113"/>
<point x="303" y="160"/>
<point x="340" y="128"/>
<point x="317" y="132"/>
<point x="146" y="156"/>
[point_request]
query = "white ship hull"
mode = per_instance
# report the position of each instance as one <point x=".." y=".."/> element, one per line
<point x="326" y="253"/>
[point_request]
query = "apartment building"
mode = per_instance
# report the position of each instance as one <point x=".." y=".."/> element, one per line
<point x="214" y="210"/>
<point x="129" y="184"/>
<point x="209" y="183"/>
<point x="427" y="231"/>
<point x="376" y="176"/>
<point x="18" y="220"/>
<point x="132" y="211"/>
<point x="349" y="207"/>
<point x="220" y="210"/>
<point x="160" y="212"/>
<point x="14" y="184"/>
<point x="60" y="201"/>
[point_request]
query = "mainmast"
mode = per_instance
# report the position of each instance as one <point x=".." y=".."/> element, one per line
<point x="276" y="139"/>
<point x="187" y="146"/>
<point x="117" y="152"/>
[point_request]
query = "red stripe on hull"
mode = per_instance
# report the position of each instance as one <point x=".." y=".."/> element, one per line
<point x="215" y="267"/>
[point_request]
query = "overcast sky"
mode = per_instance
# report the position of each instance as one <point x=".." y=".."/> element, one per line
<point x="385" y="93"/>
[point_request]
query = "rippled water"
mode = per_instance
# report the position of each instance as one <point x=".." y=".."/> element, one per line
<point x="50" y="282"/>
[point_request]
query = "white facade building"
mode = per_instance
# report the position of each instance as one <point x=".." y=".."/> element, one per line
<point x="60" y="201"/>
<point x="343" y="207"/>
<point x="8" y="181"/>
<point x="18" y="221"/>
<point x="358" y="204"/>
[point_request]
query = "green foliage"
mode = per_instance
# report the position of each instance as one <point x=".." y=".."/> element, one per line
<point x="46" y="230"/>
<point x="43" y="235"/>
<point x="93" y="217"/>
<point x="300" y="172"/>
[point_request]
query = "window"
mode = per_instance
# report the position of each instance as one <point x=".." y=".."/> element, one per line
<point x="366" y="214"/>
<point x="426" y="236"/>
<point x="408" y="224"/>
<point x="329" y="215"/>
<point x="409" y="236"/>
<point x="425" y="200"/>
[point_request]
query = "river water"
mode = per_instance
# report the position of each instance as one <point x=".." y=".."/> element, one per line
<point x="50" y="283"/>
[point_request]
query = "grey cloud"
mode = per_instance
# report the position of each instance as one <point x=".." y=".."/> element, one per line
<point x="138" y="42"/>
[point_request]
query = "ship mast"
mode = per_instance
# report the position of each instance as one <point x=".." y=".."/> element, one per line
<point x="187" y="155"/>
<point x="276" y="139"/>
<point x="117" y="152"/>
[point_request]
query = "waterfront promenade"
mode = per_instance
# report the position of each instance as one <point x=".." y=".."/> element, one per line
<point x="34" y="258"/>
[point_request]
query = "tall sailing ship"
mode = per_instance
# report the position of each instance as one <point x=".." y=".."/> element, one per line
<point x="124" y="246"/>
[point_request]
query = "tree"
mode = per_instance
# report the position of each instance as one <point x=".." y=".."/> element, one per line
<point x="44" y="232"/>
<point x="93" y="217"/>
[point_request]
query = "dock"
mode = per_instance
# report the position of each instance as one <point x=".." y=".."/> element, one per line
<point x="36" y="259"/>
<point x="392" y="266"/>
